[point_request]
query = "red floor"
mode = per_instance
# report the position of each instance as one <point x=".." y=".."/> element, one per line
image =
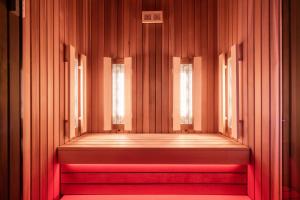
<point x="155" y="197"/>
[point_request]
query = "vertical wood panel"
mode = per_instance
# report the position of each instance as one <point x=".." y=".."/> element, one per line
<point x="189" y="29"/>
<point x="26" y="97"/>
<point x="35" y="112"/>
<point x="251" y="137"/>
<point x="204" y="55"/>
<point x="265" y="118"/>
<point x="50" y="95"/>
<point x="49" y="27"/>
<point x="4" y="187"/>
<point x="256" y="25"/>
<point x="257" y="88"/>
<point x="165" y="70"/>
<point x="140" y="69"/>
<point x="56" y="64"/>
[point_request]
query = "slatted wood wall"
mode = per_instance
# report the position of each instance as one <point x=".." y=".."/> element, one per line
<point x="189" y="29"/>
<point x="48" y="26"/>
<point x="10" y="108"/>
<point x="256" y="24"/>
<point x="290" y="102"/>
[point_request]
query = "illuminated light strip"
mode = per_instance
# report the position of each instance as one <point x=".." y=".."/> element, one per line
<point x="118" y="93"/>
<point x="186" y="94"/>
<point x="152" y="168"/>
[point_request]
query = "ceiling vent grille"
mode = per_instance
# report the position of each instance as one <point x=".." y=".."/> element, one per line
<point x="152" y="17"/>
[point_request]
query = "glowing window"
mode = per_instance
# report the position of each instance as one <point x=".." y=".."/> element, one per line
<point x="118" y="93"/>
<point x="76" y="93"/>
<point x="229" y="74"/>
<point x="186" y="94"/>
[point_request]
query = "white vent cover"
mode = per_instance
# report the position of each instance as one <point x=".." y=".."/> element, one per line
<point x="152" y="16"/>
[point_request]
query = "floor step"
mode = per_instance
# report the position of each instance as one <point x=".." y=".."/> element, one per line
<point x="156" y="197"/>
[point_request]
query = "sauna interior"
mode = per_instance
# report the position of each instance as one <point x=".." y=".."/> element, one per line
<point x="149" y="99"/>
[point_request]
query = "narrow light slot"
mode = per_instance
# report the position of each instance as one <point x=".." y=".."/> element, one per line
<point x="81" y="92"/>
<point x="118" y="93"/>
<point x="229" y="71"/>
<point x="186" y="94"/>
<point x="76" y="93"/>
<point x="224" y="94"/>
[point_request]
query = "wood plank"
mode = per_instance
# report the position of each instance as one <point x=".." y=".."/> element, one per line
<point x="35" y="50"/>
<point x="206" y="148"/>
<point x="265" y="98"/>
<point x="56" y="106"/>
<point x="153" y="178"/>
<point x="154" y="189"/>
<point x="177" y="28"/>
<point x="171" y="52"/>
<point x="140" y="70"/>
<point x="131" y="8"/>
<point x="165" y="70"/>
<point x="197" y="106"/>
<point x="245" y="72"/>
<point x="120" y="28"/>
<point x="251" y="90"/>
<point x="185" y="29"/>
<point x="191" y="28"/>
<point x="61" y="72"/>
<point x="43" y="101"/>
<point x="211" y="56"/>
<point x="70" y="168"/>
<point x="146" y="79"/>
<point x="275" y="96"/>
<point x="128" y="92"/>
<point x="152" y="78"/>
<point x="14" y="111"/>
<point x="26" y="88"/>
<point x="50" y="96"/>
<point x="4" y="162"/>
<point x="107" y="93"/>
<point x="258" y="95"/>
<point x="205" y="64"/>
<point x="158" y="77"/>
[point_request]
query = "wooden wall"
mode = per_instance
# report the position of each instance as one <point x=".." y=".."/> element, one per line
<point x="290" y="102"/>
<point x="10" y="107"/>
<point x="48" y="26"/>
<point x="256" y="24"/>
<point x="189" y="29"/>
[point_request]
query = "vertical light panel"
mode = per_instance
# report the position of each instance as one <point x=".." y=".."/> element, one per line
<point x="229" y="94"/>
<point x="118" y="93"/>
<point x="197" y="108"/>
<point x="176" y="94"/>
<point x="107" y="93"/>
<point x="83" y="95"/>
<point x="76" y="95"/>
<point x="128" y="94"/>
<point x="222" y="96"/>
<point x="186" y="94"/>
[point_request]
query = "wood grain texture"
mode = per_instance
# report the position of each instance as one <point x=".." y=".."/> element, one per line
<point x="257" y="28"/>
<point x="290" y="99"/>
<point x="49" y="26"/>
<point x="186" y="32"/>
<point x="10" y="62"/>
<point x="141" y="148"/>
<point x="153" y="179"/>
<point x="4" y="162"/>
